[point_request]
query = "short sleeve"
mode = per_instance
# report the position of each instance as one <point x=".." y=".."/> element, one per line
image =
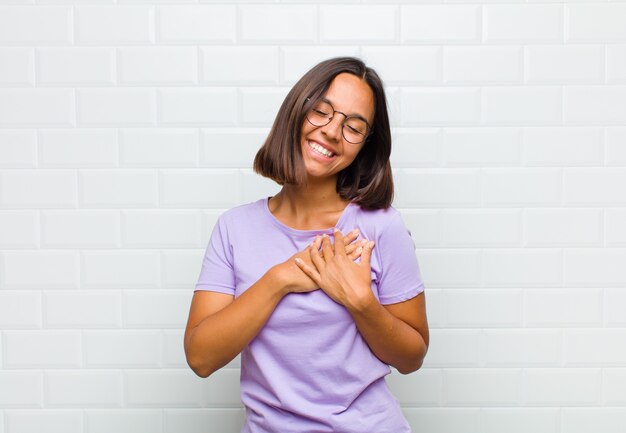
<point x="400" y="278"/>
<point x="217" y="273"/>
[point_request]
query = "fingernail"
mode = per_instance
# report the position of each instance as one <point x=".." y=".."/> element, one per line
<point x="335" y="230"/>
<point x="355" y="231"/>
<point x="371" y="244"/>
<point x="359" y="250"/>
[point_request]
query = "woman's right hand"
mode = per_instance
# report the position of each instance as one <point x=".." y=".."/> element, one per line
<point x="295" y="280"/>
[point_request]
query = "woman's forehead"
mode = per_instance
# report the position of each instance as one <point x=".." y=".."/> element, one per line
<point x="352" y="95"/>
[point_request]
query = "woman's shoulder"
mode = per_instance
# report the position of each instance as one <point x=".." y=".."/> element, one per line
<point x="376" y="220"/>
<point x="378" y="215"/>
<point x="241" y="213"/>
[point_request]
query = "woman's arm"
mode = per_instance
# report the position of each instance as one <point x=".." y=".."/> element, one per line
<point x="398" y="333"/>
<point x="220" y="326"/>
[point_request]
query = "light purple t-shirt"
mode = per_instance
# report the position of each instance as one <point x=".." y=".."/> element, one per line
<point x="309" y="370"/>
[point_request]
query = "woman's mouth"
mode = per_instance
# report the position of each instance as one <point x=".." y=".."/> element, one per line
<point x="320" y="150"/>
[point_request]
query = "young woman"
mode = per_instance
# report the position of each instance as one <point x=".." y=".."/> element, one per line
<point x="318" y="287"/>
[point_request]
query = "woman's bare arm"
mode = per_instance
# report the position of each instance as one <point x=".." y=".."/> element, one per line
<point x="220" y="326"/>
<point x="397" y="333"/>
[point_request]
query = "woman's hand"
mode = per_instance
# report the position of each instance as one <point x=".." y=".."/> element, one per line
<point x="346" y="282"/>
<point x="295" y="281"/>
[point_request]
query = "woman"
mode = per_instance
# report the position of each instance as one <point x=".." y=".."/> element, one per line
<point x="318" y="287"/>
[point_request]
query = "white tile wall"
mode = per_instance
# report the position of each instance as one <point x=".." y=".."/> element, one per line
<point x="116" y="106"/>
<point x="615" y="154"/>
<point x="519" y="420"/>
<point x="60" y="66"/>
<point x="23" y="24"/>
<point x="176" y="147"/>
<point x="17" y="67"/>
<point x="38" y="269"/>
<point x="529" y="24"/>
<point x="366" y="24"/>
<point x="127" y="127"/>
<point x="21" y="107"/>
<point x="120" y="269"/>
<point x="49" y="420"/>
<point x="83" y="388"/>
<point x="20" y="309"/>
<point x="19" y="229"/>
<point x="568" y="387"/>
<point x="193" y="24"/>
<point x="118" y="25"/>
<point x="69" y="309"/>
<point x="498" y="386"/>
<point x="444" y="420"/>
<point x="161" y="65"/>
<point x="42" y="349"/>
<point x="616" y="63"/>
<point x="596" y="22"/>
<point x="198" y="106"/>
<point x="123" y="420"/>
<point x="203" y="420"/>
<point x="18" y="148"/>
<point x="579" y="420"/>
<point x="78" y="148"/>
<point x="444" y="24"/>
<point x="278" y="24"/>
<point x="565" y="64"/>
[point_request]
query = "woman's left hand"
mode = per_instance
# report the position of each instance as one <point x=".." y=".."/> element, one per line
<point x="342" y="279"/>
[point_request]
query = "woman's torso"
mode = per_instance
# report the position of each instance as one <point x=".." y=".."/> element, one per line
<point x="309" y="369"/>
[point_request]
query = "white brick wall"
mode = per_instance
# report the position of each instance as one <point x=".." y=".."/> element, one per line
<point x="126" y="127"/>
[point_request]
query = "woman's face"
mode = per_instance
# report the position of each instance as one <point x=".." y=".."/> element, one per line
<point x="350" y="95"/>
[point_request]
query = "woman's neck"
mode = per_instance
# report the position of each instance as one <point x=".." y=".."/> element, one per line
<point x="309" y="198"/>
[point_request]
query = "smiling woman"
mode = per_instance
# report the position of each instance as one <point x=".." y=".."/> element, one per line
<point x="318" y="287"/>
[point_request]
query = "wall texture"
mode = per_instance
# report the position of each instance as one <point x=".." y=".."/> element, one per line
<point x="126" y="127"/>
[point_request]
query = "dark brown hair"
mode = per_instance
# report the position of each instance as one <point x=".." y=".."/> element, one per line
<point x="368" y="180"/>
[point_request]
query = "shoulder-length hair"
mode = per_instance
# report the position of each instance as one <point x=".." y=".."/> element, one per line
<point x="368" y="180"/>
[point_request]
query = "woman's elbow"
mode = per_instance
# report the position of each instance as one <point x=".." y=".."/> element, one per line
<point x="411" y="365"/>
<point x="409" y="368"/>
<point x="200" y="368"/>
<point x="198" y="364"/>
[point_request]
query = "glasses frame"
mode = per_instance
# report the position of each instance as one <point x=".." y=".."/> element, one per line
<point x="343" y="124"/>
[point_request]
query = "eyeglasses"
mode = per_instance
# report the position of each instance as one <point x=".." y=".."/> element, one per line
<point x="354" y="128"/>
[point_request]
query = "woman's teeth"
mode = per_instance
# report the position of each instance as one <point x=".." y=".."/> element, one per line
<point x="319" y="149"/>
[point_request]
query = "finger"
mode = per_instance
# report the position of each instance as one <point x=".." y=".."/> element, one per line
<point x="350" y="237"/>
<point x="351" y="250"/>
<point x="316" y="254"/>
<point x="355" y="254"/>
<point x="327" y="247"/>
<point x="340" y="248"/>
<point x="308" y="270"/>
<point x="352" y="247"/>
<point x="366" y="255"/>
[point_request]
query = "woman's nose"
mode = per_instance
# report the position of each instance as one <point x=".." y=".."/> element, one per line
<point x="334" y="127"/>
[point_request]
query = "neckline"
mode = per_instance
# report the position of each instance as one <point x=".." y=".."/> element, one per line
<point x="299" y="232"/>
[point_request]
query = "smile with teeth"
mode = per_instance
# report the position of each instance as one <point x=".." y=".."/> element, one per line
<point x="319" y="149"/>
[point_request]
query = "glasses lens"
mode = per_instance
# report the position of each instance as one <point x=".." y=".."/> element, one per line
<point x="354" y="130"/>
<point x="320" y="114"/>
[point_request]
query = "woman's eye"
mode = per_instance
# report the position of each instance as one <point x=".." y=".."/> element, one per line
<point x="320" y="112"/>
<point x="352" y="129"/>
